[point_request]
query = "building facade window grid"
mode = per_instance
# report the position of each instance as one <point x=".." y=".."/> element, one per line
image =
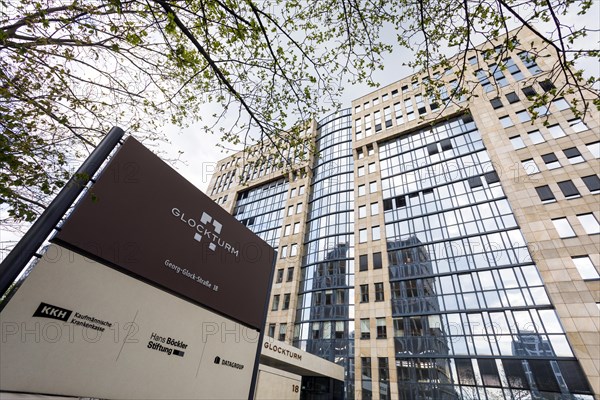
<point x="455" y="255"/>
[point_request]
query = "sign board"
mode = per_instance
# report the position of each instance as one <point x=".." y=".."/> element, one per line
<point x="78" y="328"/>
<point x="145" y="218"/>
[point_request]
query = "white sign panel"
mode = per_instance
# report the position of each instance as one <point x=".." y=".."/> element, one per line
<point x="78" y="328"/>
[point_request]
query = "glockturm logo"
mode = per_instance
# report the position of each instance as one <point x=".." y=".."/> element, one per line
<point x="203" y="230"/>
<point x="205" y="219"/>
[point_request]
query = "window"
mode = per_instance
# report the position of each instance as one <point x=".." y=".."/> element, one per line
<point x="377" y="260"/>
<point x="529" y="62"/>
<point x="529" y="92"/>
<point x="362" y="236"/>
<point x="290" y="211"/>
<point x="363" y="263"/>
<point x="432" y="149"/>
<point x="592" y="182"/>
<point x="400" y="201"/>
<point x="384" y="377"/>
<point x="375" y="233"/>
<point x="594" y="148"/>
<point x="536" y="137"/>
<point x="275" y="305"/>
<point x="546" y="195"/>
<point x="517" y="142"/>
<point x="578" y="125"/>
<point x="367" y="125"/>
<point x="360" y="170"/>
<point x="358" y="128"/>
<point x="293" y="192"/>
<point x="290" y="274"/>
<point x="372" y="168"/>
<point x="282" y="330"/>
<point x="541" y="110"/>
<point x="374" y="208"/>
<point x="364" y="293"/>
<point x="475" y="181"/>
<point x="483" y="80"/>
<point x="563" y="227"/>
<point x="410" y="113"/>
<point x="301" y="190"/>
<point x="377" y="118"/>
<point x="398" y="324"/>
<point x="293" y="250"/>
<point x="387" y="204"/>
<point x="379" y="291"/>
<point x="362" y="212"/>
<point x="381" y="328"/>
<point x="373" y="187"/>
<point x="316" y="331"/>
<point x="271" y="330"/>
<point x="547" y="85"/>
<point x="387" y="113"/>
<point x="394" y="92"/>
<point x="491" y="177"/>
<point x="279" y="275"/>
<point x="511" y="67"/>
<point x="499" y="77"/>
<point x="589" y="223"/>
<point x="585" y="267"/>
<point x="556" y="131"/>
<point x="496" y="103"/>
<point x="530" y="167"/>
<point x="286" y="301"/>
<point x="370" y="150"/>
<point x="398" y="112"/>
<point x="512" y="97"/>
<point x="473" y="60"/>
<point x="361" y="190"/>
<point x="551" y="161"/>
<point x="569" y="190"/>
<point x="287" y="230"/>
<point x="283" y="252"/>
<point x="446" y="144"/>
<point x="299" y="208"/>
<point x="296" y="228"/>
<point x="561" y="104"/>
<point x="523" y="116"/>
<point x="573" y="155"/>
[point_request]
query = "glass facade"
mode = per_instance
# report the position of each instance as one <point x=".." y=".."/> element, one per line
<point x="261" y="209"/>
<point x="471" y="317"/>
<point x="450" y="302"/>
<point x="325" y="311"/>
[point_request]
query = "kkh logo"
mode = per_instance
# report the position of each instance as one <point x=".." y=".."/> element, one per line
<point x="49" y="311"/>
<point x="202" y="231"/>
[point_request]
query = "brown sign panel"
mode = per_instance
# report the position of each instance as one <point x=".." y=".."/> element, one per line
<point x="144" y="217"/>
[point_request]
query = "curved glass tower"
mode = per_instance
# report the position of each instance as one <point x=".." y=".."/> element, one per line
<point x="325" y="311"/>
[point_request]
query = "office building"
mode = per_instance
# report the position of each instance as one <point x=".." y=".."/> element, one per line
<point x="439" y="249"/>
